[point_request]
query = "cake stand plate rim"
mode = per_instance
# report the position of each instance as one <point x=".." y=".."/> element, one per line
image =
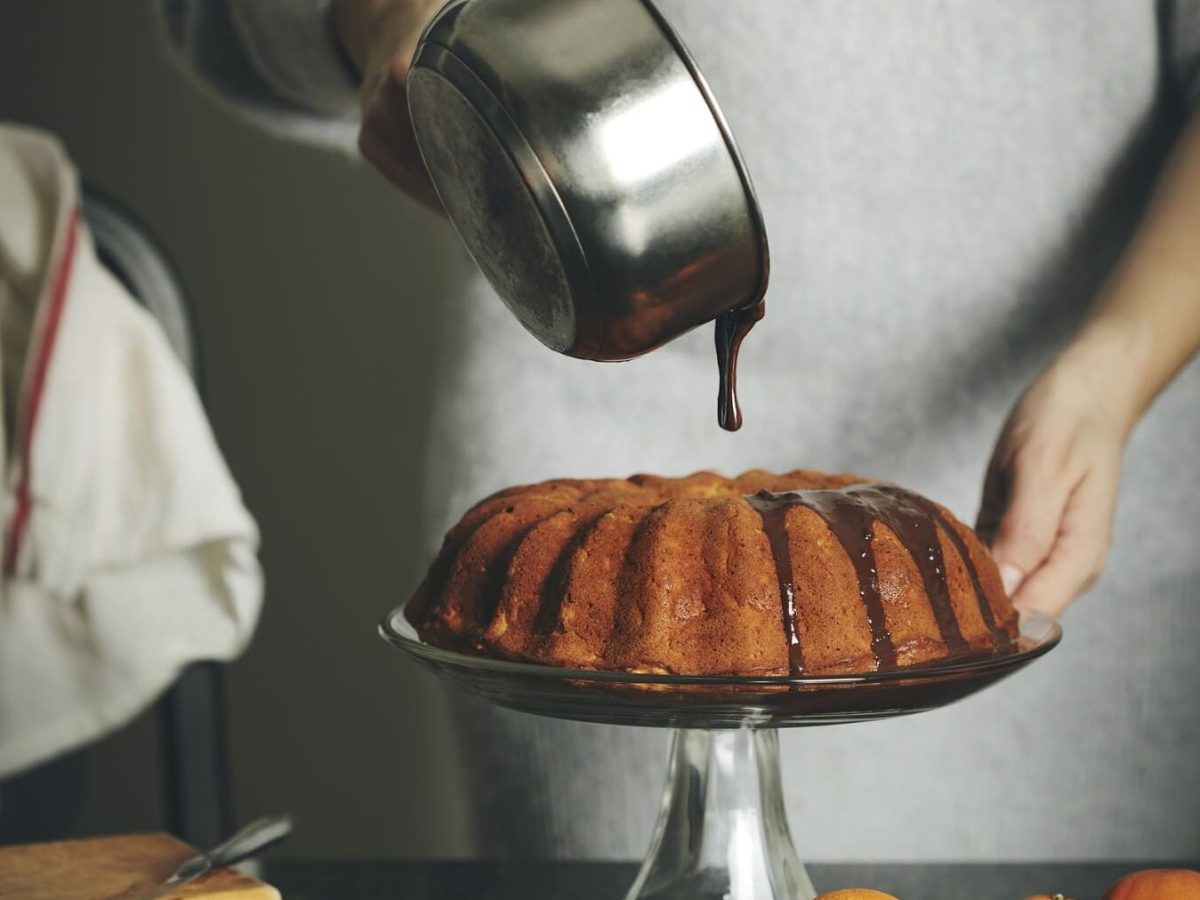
<point x="1038" y="636"/>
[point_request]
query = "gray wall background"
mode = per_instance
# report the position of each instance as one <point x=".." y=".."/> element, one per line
<point x="312" y="282"/>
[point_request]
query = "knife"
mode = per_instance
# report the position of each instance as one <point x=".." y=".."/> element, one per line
<point x="258" y="835"/>
<point x="255" y="837"/>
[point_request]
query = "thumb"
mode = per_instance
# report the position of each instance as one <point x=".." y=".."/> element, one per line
<point x="1021" y="514"/>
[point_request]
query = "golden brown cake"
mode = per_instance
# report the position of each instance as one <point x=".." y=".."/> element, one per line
<point x="763" y="574"/>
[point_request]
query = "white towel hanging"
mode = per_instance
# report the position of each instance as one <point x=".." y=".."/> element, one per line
<point x="127" y="550"/>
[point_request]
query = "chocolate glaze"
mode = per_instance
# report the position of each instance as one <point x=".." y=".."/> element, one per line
<point x="851" y="524"/>
<point x="910" y="522"/>
<point x="732" y="328"/>
<point x="999" y="635"/>
<point x="851" y="514"/>
<point x="773" y="515"/>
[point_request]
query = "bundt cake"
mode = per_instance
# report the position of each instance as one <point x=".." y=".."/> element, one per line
<point x="763" y="574"/>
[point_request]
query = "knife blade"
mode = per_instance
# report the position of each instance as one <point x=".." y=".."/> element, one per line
<point x="254" y="838"/>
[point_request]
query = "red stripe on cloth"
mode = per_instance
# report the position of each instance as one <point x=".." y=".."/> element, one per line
<point x="31" y="402"/>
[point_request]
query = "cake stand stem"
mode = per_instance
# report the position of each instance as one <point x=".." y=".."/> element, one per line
<point x="722" y="833"/>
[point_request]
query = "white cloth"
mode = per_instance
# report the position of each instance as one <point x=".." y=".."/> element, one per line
<point x="128" y="551"/>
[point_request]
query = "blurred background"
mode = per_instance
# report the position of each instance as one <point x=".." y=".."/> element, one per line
<point x="330" y="466"/>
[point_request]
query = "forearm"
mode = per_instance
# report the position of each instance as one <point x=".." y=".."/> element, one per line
<point x="291" y="46"/>
<point x="1145" y="324"/>
<point x="353" y="22"/>
<point x="248" y="53"/>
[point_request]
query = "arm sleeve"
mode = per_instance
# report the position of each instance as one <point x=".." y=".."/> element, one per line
<point x="276" y="61"/>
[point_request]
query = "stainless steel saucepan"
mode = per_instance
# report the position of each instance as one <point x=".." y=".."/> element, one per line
<point x="588" y="169"/>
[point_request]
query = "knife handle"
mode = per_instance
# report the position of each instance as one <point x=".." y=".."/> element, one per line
<point x="255" y="837"/>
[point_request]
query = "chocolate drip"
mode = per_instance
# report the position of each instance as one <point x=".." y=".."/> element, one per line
<point x="732" y="328"/>
<point x="774" y="518"/>
<point x="908" y="520"/>
<point x="852" y="522"/>
<point x="851" y="514"/>
<point x="1000" y="638"/>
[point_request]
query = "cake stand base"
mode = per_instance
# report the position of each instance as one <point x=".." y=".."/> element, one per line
<point x="723" y="832"/>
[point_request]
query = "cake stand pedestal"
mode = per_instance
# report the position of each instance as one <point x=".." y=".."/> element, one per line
<point x="722" y="833"/>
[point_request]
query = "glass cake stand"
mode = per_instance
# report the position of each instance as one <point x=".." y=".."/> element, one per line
<point x="722" y="832"/>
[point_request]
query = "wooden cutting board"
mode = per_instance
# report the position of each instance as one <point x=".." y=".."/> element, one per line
<point x="99" y="868"/>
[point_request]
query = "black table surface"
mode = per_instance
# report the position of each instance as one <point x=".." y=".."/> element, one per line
<point x="610" y="880"/>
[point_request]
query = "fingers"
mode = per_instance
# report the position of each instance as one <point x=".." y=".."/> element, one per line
<point x="1051" y="490"/>
<point x="1080" y="547"/>
<point x="1032" y="493"/>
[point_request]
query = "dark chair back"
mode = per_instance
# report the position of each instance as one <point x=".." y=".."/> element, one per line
<point x="192" y="712"/>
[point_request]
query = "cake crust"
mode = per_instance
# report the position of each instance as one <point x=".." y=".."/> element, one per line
<point x="761" y="574"/>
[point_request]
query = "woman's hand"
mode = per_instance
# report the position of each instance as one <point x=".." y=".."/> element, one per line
<point x="1051" y="487"/>
<point x="381" y="37"/>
